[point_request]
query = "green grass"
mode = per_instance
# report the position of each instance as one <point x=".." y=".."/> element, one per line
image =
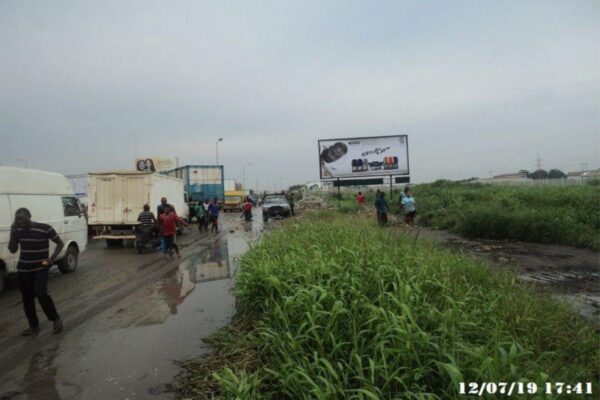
<point x="543" y="214"/>
<point x="567" y="215"/>
<point x="334" y="307"/>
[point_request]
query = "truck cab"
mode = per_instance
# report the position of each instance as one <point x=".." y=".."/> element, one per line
<point x="234" y="200"/>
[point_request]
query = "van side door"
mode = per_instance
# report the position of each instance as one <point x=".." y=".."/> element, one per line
<point x="6" y="216"/>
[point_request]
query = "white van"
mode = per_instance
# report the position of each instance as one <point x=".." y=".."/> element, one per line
<point x="51" y="200"/>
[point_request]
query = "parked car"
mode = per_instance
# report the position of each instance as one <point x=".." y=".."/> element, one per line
<point x="275" y="205"/>
<point x="51" y="200"/>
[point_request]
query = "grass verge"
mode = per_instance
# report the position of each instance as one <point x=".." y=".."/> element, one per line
<point x="333" y="307"/>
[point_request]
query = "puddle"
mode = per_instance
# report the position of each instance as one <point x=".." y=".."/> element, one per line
<point x="129" y="349"/>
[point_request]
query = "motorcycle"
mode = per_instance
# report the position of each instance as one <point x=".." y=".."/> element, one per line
<point x="145" y="239"/>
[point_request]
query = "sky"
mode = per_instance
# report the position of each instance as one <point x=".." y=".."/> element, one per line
<point x="479" y="87"/>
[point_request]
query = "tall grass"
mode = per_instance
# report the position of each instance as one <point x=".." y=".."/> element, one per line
<point x="341" y="309"/>
<point x="563" y="215"/>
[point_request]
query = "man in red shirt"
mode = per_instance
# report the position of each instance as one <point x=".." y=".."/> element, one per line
<point x="361" y="199"/>
<point x="169" y="222"/>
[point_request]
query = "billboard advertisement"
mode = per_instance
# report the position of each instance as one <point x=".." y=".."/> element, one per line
<point x="155" y="164"/>
<point x="366" y="156"/>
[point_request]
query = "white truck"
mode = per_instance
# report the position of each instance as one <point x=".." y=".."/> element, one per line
<point x="116" y="198"/>
<point x="50" y="199"/>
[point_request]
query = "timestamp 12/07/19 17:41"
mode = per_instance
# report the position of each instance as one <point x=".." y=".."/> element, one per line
<point x="523" y="388"/>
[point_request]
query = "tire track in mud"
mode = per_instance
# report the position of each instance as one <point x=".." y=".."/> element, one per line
<point x="78" y="307"/>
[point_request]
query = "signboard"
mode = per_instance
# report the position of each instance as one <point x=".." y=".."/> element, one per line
<point x="366" y="156"/>
<point x="155" y="164"/>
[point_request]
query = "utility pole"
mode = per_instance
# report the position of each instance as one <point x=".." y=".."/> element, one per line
<point x="244" y="175"/>
<point x="217" y="147"/>
<point x="538" y="162"/>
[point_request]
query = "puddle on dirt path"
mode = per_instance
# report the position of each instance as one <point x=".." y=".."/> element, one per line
<point x="570" y="274"/>
<point x="129" y="350"/>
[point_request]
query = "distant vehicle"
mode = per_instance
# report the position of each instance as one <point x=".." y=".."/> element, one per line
<point x="51" y="200"/>
<point x="234" y="201"/>
<point x="117" y="198"/>
<point x="202" y="182"/>
<point x="275" y="205"/>
<point x="229" y="185"/>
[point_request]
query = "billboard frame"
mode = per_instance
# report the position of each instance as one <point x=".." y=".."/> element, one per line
<point x="360" y="138"/>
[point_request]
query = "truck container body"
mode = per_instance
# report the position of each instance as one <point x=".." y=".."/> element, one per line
<point x="116" y="198"/>
<point x="229" y="185"/>
<point x="202" y="182"/>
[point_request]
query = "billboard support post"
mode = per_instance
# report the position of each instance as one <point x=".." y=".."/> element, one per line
<point x="339" y="194"/>
<point x="390" y="187"/>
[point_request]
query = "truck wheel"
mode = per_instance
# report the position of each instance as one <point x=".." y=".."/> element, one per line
<point x="68" y="263"/>
<point x="114" y="242"/>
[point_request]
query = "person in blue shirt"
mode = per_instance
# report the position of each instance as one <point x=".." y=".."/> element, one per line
<point x="409" y="207"/>
<point x="382" y="209"/>
<point x="213" y="212"/>
<point x="403" y="193"/>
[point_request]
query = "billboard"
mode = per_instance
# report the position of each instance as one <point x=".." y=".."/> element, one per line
<point x="155" y="164"/>
<point x="366" y="156"/>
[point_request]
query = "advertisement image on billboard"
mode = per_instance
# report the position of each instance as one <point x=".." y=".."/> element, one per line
<point x="366" y="156"/>
<point x="155" y="164"/>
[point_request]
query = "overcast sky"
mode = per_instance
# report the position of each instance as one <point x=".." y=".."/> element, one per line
<point x="477" y="86"/>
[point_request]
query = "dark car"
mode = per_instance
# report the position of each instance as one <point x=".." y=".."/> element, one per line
<point x="275" y="205"/>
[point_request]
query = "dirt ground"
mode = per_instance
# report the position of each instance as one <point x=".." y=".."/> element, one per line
<point x="570" y="274"/>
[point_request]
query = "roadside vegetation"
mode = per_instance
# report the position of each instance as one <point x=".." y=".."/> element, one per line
<point x="334" y="307"/>
<point x="568" y="215"/>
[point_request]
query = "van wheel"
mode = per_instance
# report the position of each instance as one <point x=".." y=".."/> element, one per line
<point x="69" y="262"/>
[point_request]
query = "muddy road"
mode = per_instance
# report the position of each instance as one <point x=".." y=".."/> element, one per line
<point x="127" y="318"/>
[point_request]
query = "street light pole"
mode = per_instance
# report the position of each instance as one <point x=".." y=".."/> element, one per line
<point x="217" y="147"/>
<point x="244" y="175"/>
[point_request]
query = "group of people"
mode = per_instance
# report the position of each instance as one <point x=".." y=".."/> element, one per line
<point x="206" y="213"/>
<point x="407" y="204"/>
<point x="167" y="221"/>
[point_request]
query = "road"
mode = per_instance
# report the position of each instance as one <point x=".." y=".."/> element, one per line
<point x="127" y="318"/>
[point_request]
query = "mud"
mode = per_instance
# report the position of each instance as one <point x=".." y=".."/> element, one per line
<point x="570" y="274"/>
<point x="127" y="318"/>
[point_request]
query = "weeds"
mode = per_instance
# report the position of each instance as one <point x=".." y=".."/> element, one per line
<point x="337" y="308"/>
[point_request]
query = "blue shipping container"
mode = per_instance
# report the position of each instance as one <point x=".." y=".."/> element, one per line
<point x="202" y="182"/>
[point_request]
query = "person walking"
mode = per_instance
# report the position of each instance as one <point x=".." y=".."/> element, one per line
<point x="382" y="209"/>
<point x="409" y="207"/>
<point x="360" y="198"/>
<point x="247" y="209"/>
<point x="291" y="202"/>
<point x="213" y="211"/>
<point x="202" y="216"/>
<point x="33" y="239"/>
<point x="169" y="222"/>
